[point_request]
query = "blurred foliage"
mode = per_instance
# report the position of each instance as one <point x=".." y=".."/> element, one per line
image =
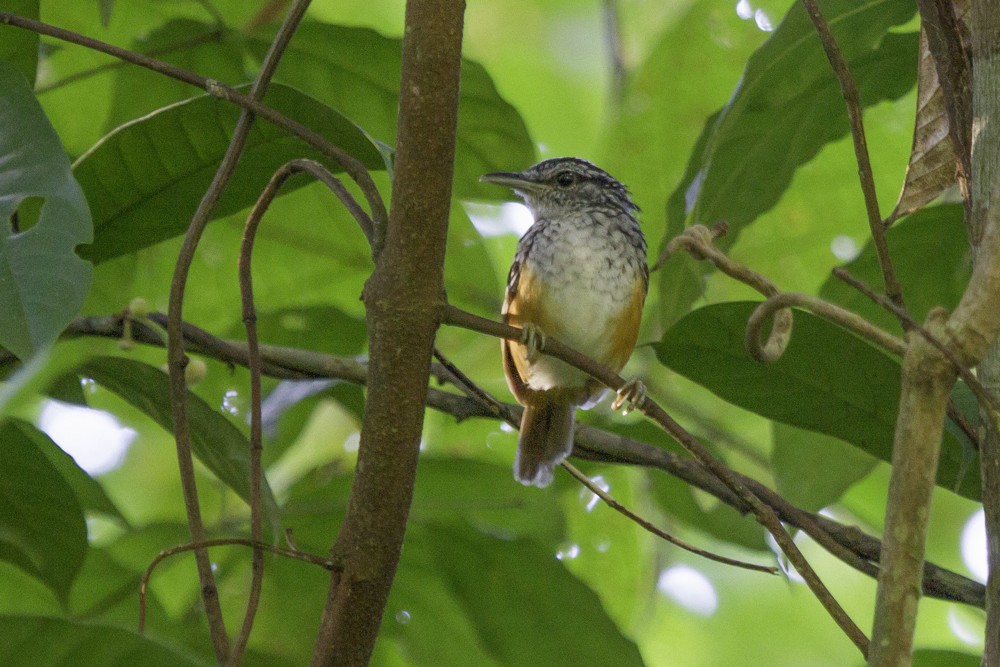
<point x="721" y="111"/>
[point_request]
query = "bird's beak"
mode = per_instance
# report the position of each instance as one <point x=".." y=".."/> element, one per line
<point x="511" y="179"/>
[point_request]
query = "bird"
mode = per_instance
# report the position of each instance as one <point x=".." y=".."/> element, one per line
<point x="580" y="276"/>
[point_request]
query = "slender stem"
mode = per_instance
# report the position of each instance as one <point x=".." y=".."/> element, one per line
<point x="824" y="309"/>
<point x="323" y="561"/>
<point x="850" y="91"/>
<point x="477" y="393"/>
<point x="82" y="75"/>
<point x="177" y="359"/>
<point x="662" y="534"/>
<point x="986" y="400"/>
<point x="254" y="357"/>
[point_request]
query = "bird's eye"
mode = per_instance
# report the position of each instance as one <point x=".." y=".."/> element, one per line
<point x="566" y="179"/>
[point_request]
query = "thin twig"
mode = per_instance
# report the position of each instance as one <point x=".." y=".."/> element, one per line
<point x="662" y="534"/>
<point x="765" y="515"/>
<point x="850" y="92"/>
<point x="474" y="391"/>
<point x="253" y="347"/>
<point x="986" y="400"/>
<point x="268" y="67"/>
<point x="212" y="36"/>
<point x="824" y="309"/>
<point x="177" y="359"/>
<point x="698" y="241"/>
<point x="324" y="562"/>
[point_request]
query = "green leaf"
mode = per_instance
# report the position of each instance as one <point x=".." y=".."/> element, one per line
<point x="930" y="254"/>
<point x="322" y="327"/>
<point x="447" y="489"/>
<point x="210" y="50"/>
<point x="214" y="440"/>
<point x="462" y="597"/>
<point x="813" y="470"/>
<point x="88" y="491"/>
<point x="787" y="106"/>
<point x="680" y="500"/>
<point x="943" y="658"/>
<point x="42" y="281"/>
<point x="42" y="530"/>
<point x="470" y="278"/>
<point x="827" y="381"/>
<point x="323" y="61"/>
<point x="145" y="179"/>
<point x="43" y="641"/>
<point x="18" y="46"/>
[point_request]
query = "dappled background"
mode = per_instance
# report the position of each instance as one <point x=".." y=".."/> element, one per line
<point x="493" y="573"/>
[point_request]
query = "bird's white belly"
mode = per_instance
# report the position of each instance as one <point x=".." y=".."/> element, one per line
<point x="583" y="320"/>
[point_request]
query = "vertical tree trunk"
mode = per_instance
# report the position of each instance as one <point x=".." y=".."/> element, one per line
<point x="968" y="334"/>
<point x="403" y="298"/>
<point x="985" y="29"/>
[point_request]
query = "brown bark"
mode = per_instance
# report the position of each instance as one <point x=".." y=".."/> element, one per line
<point x="403" y="300"/>
<point x="968" y="334"/>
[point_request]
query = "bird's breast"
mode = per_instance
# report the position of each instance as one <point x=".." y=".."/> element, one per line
<point x="584" y="278"/>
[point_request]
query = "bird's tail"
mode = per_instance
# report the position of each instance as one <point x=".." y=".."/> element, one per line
<point x="546" y="439"/>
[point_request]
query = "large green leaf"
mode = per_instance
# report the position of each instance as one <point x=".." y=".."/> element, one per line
<point x="323" y="60"/>
<point x="145" y="179"/>
<point x="42" y="530"/>
<point x="462" y="597"/>
<point x="787" y="106"/>
<point x="446" y="490"/>
<point x="930" y="255"/>
<point x="50" y="642"/>
<point x="88" y="491"/>
<point x="214" y="440"/>
<point x="17" y="45"/>
<point x="828" y="381"/>
<point x="813" y="470"/>
<point x="212" y="51"/>
<point x="42" y="280"/>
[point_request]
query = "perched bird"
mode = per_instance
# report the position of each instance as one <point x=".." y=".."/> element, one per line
<point x="580" y="276"/>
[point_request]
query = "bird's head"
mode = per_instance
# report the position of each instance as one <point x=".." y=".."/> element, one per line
<point x="565" y="185"/>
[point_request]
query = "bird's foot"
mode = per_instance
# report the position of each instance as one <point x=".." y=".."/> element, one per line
<point x="533" y="340"/>
<point x="630" y="395"/>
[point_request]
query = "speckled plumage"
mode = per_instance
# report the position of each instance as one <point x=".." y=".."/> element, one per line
<point x="579" y="275"/>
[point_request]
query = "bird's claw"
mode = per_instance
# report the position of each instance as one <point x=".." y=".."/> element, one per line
<point x="533" y="340"/>
<point x="630" y="395"/>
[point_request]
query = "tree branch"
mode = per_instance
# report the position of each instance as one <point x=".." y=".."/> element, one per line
<point x="928" y="376"/>
<point x="402" y="300"/>
<point x="859" y="550"/>
<point x="983" y="222"/>
<point x="850" y="91"/>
